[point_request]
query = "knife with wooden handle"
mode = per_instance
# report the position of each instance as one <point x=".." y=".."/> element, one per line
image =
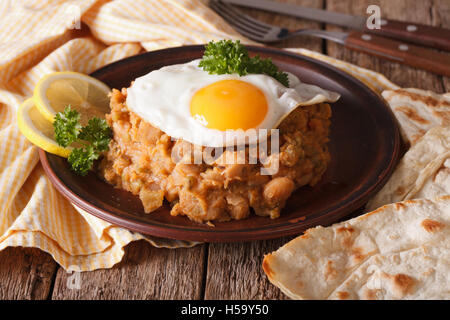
<point x="433" y="37"/>
<point x="409" y="54"/>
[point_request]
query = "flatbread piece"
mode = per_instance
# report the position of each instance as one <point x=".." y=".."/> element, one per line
<point x="423" y="172"/>
<point x="417" y="111"/>
<point x="399" y="251"/>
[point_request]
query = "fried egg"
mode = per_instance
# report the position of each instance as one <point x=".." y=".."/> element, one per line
<point x="214" y="110"/>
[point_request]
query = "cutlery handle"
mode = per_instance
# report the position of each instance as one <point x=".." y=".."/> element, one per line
<point x="400" y="52"/>
<point x="434" y="37"/>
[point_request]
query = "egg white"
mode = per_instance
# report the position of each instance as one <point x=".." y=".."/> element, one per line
<point x="162" y="98"/>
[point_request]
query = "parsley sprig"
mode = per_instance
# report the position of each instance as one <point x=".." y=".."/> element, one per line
<point x="94" y="137"/>
<point x="227" y="57"/>
<point x="67" y="126"/>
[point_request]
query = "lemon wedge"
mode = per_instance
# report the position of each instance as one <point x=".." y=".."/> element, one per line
<point x="38" y="129"/>
<point x="83" y="93"/>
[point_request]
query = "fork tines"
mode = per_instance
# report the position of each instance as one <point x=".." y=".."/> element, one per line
<point x="245" y="25"/>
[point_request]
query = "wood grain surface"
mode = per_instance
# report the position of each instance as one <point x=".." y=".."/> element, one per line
<point x="214" y="271"/>
<point x="145" y="272"/>
<point x="26" y="273"/>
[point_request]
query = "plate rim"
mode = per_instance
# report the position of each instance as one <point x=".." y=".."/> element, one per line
<point x="270" y="232"/>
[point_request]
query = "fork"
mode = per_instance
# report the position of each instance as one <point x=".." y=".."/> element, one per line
<point x="381" y="47"/>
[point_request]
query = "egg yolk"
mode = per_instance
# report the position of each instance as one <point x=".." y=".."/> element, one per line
<point x="229" y="105"/>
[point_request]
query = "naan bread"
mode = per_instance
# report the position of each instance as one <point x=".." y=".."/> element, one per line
<point x="382" y="251"/>
<point x="423" y="173"/>
<point x="417" y="111"/>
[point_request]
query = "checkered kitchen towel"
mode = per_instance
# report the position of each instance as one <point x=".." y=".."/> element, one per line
<point x="42" y="36"/>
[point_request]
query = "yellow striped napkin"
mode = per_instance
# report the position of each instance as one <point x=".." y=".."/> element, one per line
<point x="42" y="36"/>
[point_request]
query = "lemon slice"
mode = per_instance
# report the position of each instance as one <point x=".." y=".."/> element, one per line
<point x="83" y="93"/>
<point x="38" y="129"/>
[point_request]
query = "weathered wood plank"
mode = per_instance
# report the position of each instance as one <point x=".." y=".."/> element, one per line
<point x="26" y="273"/>
<point x="234" y="269"/>
<point x="407" y="10"/>
<point x="145" y="272"/>
<point x="440" y="16"/>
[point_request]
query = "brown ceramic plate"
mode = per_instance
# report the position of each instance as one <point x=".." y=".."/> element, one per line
<point x="364" y="149"/>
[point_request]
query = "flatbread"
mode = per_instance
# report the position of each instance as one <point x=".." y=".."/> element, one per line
<point x="420" y="273"/>
<point x="339" y="261"/>
<point x="417" y="111"/>
<point x="424" y="171"/>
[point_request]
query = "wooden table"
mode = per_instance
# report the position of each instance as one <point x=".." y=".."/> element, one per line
<point x="216" y="270"/>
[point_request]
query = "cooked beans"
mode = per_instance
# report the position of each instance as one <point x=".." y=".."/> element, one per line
<point x="278" y="190"/>
<point x="143" y="160"/>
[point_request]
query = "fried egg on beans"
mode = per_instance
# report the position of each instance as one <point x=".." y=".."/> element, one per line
<point x="216" y="110"/>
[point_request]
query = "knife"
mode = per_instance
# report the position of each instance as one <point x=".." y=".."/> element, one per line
<point x="434" y="37"/>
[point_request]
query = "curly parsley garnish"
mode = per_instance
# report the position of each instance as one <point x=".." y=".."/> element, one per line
<point x="67" y="126"/>
<point x="227" y="57"/>
<point x="82" y="159"/>
<point x="98" y="133"/>
<point x="94" y="137"/>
